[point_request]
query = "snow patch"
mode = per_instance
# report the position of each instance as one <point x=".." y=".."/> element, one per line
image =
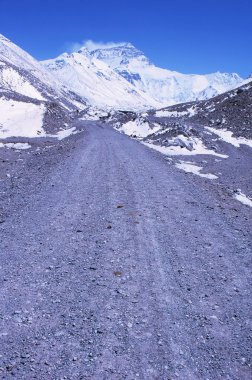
<point x="21" y="119"/>
<point x="18" y="146"/>
<point x="243" y="198"/>
<point x="228" y="137"/>
<point x="65" y="133"/>
<point x="175" y="150"/>
<point x="138" y="128"/>
<point x="165" y="113"/>
<point x="94" y="114"/>
<point x="189" y="167"/>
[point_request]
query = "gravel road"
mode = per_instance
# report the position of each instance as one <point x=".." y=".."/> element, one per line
<point x="120" y="266"/>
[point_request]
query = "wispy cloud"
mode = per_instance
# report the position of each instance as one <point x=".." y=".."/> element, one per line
<point x="72" y="47"/>
<point x="91" y="45"/>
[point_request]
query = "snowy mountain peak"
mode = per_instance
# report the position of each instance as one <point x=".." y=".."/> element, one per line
<point x="164" y="86"/>
<point x="84" y="51"/>
<point x="98" y="83"/>
<point x="119" y="55"/>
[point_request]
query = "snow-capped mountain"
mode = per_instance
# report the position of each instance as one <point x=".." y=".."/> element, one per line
<point x="118" y="77"/>
<point x="165" y="86"/>
<point x="95" y="81"/>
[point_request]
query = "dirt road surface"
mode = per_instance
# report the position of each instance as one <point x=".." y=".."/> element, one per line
<point x="120" y="266"/>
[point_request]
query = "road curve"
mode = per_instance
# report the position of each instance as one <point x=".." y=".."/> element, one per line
<point x="122" y="267"/>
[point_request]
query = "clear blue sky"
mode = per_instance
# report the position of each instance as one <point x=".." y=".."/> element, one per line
<point x="190" y="36"/>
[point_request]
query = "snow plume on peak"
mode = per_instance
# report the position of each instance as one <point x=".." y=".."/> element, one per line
<point x="121" y="55"/>
<point x="91" y="45"/>
<point x="112" y="53"/>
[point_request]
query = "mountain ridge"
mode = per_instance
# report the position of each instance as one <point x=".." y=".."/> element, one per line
<point x="117" y="76"/>
<point x="165" y="86"/>
<point x="99" y="84"/>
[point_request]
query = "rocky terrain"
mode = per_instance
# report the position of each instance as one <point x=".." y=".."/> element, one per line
<point x="212" y="136"/>
<point x="115" y="264"/>
<point x="231" y="110"/>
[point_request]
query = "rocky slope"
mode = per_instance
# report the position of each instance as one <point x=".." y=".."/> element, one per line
<point x="211" y="139"/>
<point x="231" y="110"/>
<point x="32" y="102"/>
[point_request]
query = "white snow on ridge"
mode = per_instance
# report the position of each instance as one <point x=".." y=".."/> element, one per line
<point x="20" y="119"/>
<point x="9" y="52"/>
<point x="228" y="137"/>
<point x="10" y="79"/>
<point x="23" y="70"/>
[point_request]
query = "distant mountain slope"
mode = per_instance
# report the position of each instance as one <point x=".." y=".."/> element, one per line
<point x="32" y="102"/>
<point x="14" y="55"/>
<point x="20" y="73"/>
<point x="165" y="86"/>
<point x="96" y="82"/>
